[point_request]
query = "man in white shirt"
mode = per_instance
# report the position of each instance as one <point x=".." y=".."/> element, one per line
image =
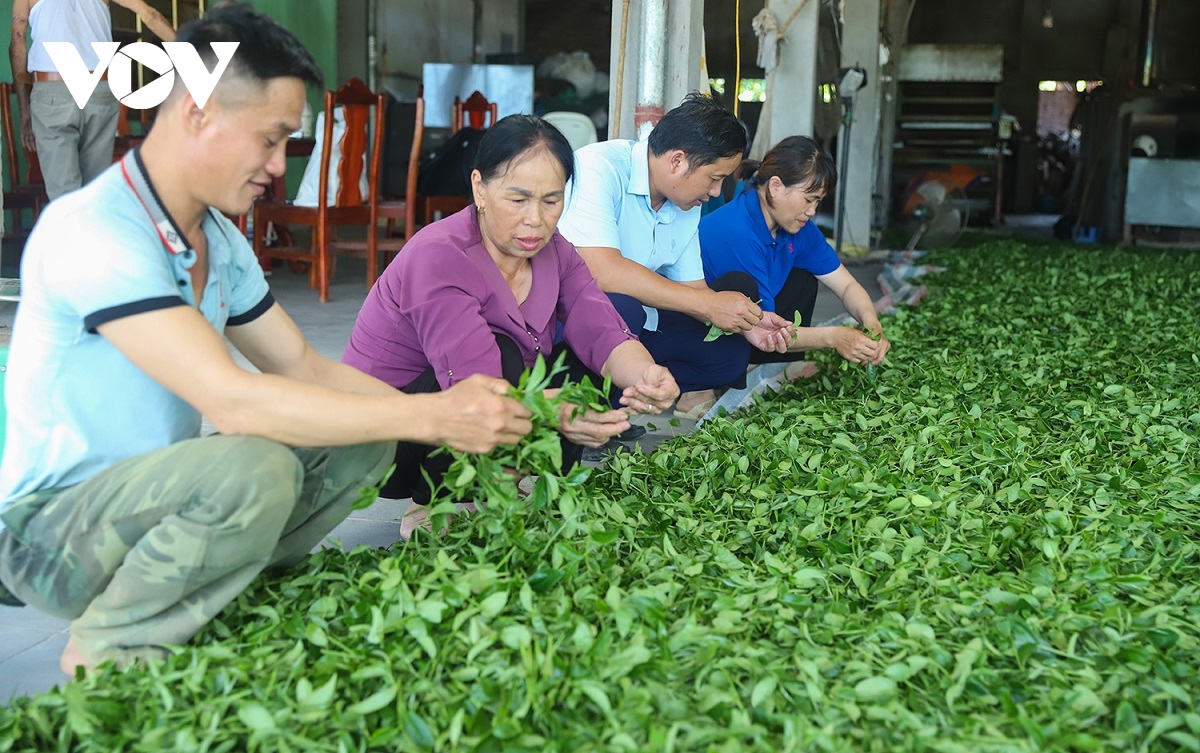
<point x="633" y="211"/>
<point x="73" y="145"/>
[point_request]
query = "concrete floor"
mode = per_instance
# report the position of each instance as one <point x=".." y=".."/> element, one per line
<point x="30" y="642"/>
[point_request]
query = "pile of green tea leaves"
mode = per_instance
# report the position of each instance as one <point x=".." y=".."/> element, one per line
<point x="993" y="545"/>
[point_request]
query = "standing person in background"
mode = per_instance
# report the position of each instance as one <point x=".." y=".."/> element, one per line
<point x="633" y="212"/>
<point x="73" y="145"/>
<point x="765" y="236"/>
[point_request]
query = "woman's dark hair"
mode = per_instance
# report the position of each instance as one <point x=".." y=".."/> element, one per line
<point x="797" y="161"/>
<point x="512" y="136"/>
<point x="265" y="51"/>
<point x="703" y="129"/>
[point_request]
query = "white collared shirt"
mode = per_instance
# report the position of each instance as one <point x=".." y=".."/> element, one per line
<point x="608" y="206"/>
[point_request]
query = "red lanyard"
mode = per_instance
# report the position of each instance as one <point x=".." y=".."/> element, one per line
<point x="138" y="182"/>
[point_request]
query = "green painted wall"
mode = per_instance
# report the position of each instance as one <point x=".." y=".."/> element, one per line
<point x="314" y="22"/>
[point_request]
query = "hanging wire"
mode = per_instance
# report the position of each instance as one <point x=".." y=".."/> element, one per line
<point x="737" y="53"/>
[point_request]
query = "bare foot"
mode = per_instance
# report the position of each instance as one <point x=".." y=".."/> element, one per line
<point x="689" y="400"/>
<point x="801" y="370"/>
<point x="72" y="657"/>
<point x="417" y="516"/>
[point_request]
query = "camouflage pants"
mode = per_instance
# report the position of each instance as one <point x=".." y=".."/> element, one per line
<point x="145" y="553"/>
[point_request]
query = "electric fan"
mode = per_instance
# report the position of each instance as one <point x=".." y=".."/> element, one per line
<point x="936" y="214"/>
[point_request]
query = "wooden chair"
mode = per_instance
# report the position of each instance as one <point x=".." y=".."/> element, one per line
<point x="409" y="130"/>
<point x="365" y="113"/>
<point x="29" y="193"/>
<point x="473" y="112"/>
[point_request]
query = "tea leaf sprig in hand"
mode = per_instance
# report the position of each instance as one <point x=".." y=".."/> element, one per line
<point x="714" y="331"/>
<point x="876" y="336"/>
<point x="493" y="478"/>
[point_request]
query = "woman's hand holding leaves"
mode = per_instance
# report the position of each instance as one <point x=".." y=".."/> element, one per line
<point x="591" y="428"/>
<point x="653" y="393"/>
<point x="771" y="335"/>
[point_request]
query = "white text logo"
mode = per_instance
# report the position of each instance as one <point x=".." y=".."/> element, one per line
<point x="178" y="57"/>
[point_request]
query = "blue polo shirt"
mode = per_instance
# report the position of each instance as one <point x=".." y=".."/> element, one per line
<point x="608" y="206"/>
<point x="735" y="239"/>
<point x="76" y="405"/>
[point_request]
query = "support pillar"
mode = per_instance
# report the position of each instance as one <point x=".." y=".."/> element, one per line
<point x="792" y="86"/>
<point x="655" y="61"/>
<point x="652" y="67"/>
<point x="896" y="18"/>
<point x="685" y="43"/>
<point x="860" y="47"/>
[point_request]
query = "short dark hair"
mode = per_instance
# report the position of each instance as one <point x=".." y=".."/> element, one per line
<point x="266" y="50"/>
<point x="797" y="161"/>
<point x="512" y="136"/>
<point x="703" y="129"/>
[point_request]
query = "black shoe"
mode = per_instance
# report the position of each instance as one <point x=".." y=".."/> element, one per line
<point x="604" y="451"/>
<point x="632" y="434"/>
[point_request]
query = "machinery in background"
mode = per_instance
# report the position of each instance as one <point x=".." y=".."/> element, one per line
<point x="1139" y="168"/>
<point x="948" y="118"/>
<point x="1162" y="181"/>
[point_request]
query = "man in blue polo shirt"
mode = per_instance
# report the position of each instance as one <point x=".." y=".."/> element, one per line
<point x="633" y="210"/>
<point x="766" y="236"/>
<point x="114" y="512"/>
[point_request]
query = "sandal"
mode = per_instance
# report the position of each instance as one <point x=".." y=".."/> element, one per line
<point x="801" y="370"/>
<point x="696" y="412"/>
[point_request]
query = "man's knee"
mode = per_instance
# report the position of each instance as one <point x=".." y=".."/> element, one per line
<point x="362" y="464"/>
<point x="252" y="479"/>
<point x="728" y="360"/>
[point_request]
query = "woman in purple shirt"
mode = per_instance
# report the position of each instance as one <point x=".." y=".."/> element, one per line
<point x="484" y="292"/>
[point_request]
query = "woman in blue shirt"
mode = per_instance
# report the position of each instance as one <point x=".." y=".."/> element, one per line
<point x="767" y="234"/>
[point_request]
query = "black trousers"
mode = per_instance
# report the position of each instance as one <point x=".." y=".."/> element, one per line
<point x="412" y="457"/>
<point x="799" y="293"/>
<point x="679" y="345"/>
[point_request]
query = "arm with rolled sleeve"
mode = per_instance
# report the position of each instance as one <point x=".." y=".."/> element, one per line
<point x="115" y="275"/>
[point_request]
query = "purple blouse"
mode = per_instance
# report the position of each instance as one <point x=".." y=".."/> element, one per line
<point x="442" y="301"/>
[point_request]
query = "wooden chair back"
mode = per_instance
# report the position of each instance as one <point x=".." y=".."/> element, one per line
<point x="473" y="112"/>
<point x="360" y="106"/>
<point x="365" y="116"/>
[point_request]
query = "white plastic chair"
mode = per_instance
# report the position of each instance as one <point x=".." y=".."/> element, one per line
<point x="577" y="127"/>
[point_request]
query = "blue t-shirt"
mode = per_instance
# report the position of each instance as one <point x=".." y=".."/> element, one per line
<point x="76" y="405"/>
<point x="735" y="239"/>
